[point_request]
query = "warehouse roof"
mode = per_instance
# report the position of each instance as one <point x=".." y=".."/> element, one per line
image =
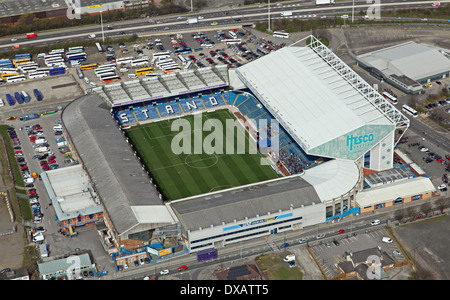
<point x="416" y="61"/>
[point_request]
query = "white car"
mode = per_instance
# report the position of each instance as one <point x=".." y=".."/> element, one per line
<point x="375" y="222"/>
<point x="13" y="40"/>
<point x="125" y="266"/>
<point x="424" y="149"/>
<point x="442" y="186"/>
<point x="164" y="272"/>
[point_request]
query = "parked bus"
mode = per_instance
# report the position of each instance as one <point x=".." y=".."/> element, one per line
<point x="18" y="97"/>
<point x="37" y="94"/>
<point x="280" y="34"/>
<point x="99" y="47"/>
<point x="232" y="34"/>
<point x="111" y="78"/>
<point x="206" y="255"/>
<point x="52" y="56"/>
<point x="79" y="57"/>
<point x="30" y="69"/>
<point x="50" y="62"/>
<point x="22" y="55"/>
<point x="56" y="51"/>
<point x="77" y="49"/>
<point x="7" y="75"/>
<point x="57" y="71"/>
<point x="262" y="51"/>
<point x="19" y="61"/>
<point x="88" y="67"/>
<point x="124" y="60"/>
<point x="172" y="69"/>
<point x="389" y="97"/>
<point x="139" y="62"/>
<point x="105" y="71"/>
<point x="37" y="75"/>
<point x="143" y="71"/>
<point x="182" y="59"/>
<point x="188" y="65"/>
<point x="8" y="70"/>
<point x="106" y="75"/>
<point x="409" y="110"/>
<point x="161" y="55"/>
<point x="6" y="63"/>
<point x="16" y="78"/>
<point x="183" y="51"/>
<point x="232" y="41"/>
<point x="10" y="99"/>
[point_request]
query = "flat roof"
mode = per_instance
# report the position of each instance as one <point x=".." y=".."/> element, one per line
<point x="244" y="202"/>
<point x="119" y="177"/>
<point x="392" y="191"/>
<point x="71" y="193"/>
<point x="308" y="96"/>
<point x="414" y="60"/>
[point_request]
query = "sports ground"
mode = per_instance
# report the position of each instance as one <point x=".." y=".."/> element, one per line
<point x="187" y="174"/>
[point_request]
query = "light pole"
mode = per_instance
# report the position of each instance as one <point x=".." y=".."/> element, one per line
<point x="268" y="15"/>
<point x="101" y="21"/>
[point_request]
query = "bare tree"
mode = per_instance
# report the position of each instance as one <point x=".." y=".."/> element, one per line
<point x="426" y="208"/>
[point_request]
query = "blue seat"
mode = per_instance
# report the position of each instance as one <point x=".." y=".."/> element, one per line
<point x="167" y="109"/>
<point x="191" y="104"/>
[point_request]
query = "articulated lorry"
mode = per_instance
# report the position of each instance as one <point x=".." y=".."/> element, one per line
<point x="319" y="2"/>
<point x="191" y="21"/>
<point x="286" y="13"/>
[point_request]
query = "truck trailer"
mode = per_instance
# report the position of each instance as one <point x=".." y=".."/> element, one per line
<point x="320" y="2"/>
<point x="191" y="21"/>
<point x="286" y="13"/>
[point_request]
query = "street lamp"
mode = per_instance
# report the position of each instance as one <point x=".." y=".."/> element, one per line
<point x="101" y="21"/>
<point x="268" y="15"/>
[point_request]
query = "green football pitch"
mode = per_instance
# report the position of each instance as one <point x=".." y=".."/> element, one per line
<point x="187" y="174"/>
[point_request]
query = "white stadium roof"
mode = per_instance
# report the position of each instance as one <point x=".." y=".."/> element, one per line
<point x="318" y="100"/>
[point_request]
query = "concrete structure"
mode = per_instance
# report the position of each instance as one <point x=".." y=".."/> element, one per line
<point x="70" y="267"/>
<point x="407" y="66"/>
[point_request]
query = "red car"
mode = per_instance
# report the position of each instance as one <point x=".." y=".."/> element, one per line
<point x="341" y="231"/>
<point x="32" y="138"/>
<point x="24" y="167"/>
<point x="52" y="157"/>
<point x="52" y="161"/>
<point x="18" y="151"/>
<point x="182" y="268"/>
<point x="43" y="162"/>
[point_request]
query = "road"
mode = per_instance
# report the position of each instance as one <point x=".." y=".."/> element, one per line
<point x="236" y="16"/>
<point x="249" y="249"/>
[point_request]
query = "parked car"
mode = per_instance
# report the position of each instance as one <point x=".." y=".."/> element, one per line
<point x="341" y="231"/>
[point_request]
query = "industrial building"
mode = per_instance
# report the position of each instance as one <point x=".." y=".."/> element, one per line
<point x="407" y="66"/>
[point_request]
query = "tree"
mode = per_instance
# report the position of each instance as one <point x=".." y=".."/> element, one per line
<point x="426" y="207"/>
<point x="27" y="19"/>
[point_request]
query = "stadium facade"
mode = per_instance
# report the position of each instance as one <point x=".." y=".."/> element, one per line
<point x="333" y="126"/>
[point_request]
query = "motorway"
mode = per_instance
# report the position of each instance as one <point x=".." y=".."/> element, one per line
<point x="224" y="17"/>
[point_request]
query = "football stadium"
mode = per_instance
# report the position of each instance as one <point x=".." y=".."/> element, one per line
<point x="316" y="124"/>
